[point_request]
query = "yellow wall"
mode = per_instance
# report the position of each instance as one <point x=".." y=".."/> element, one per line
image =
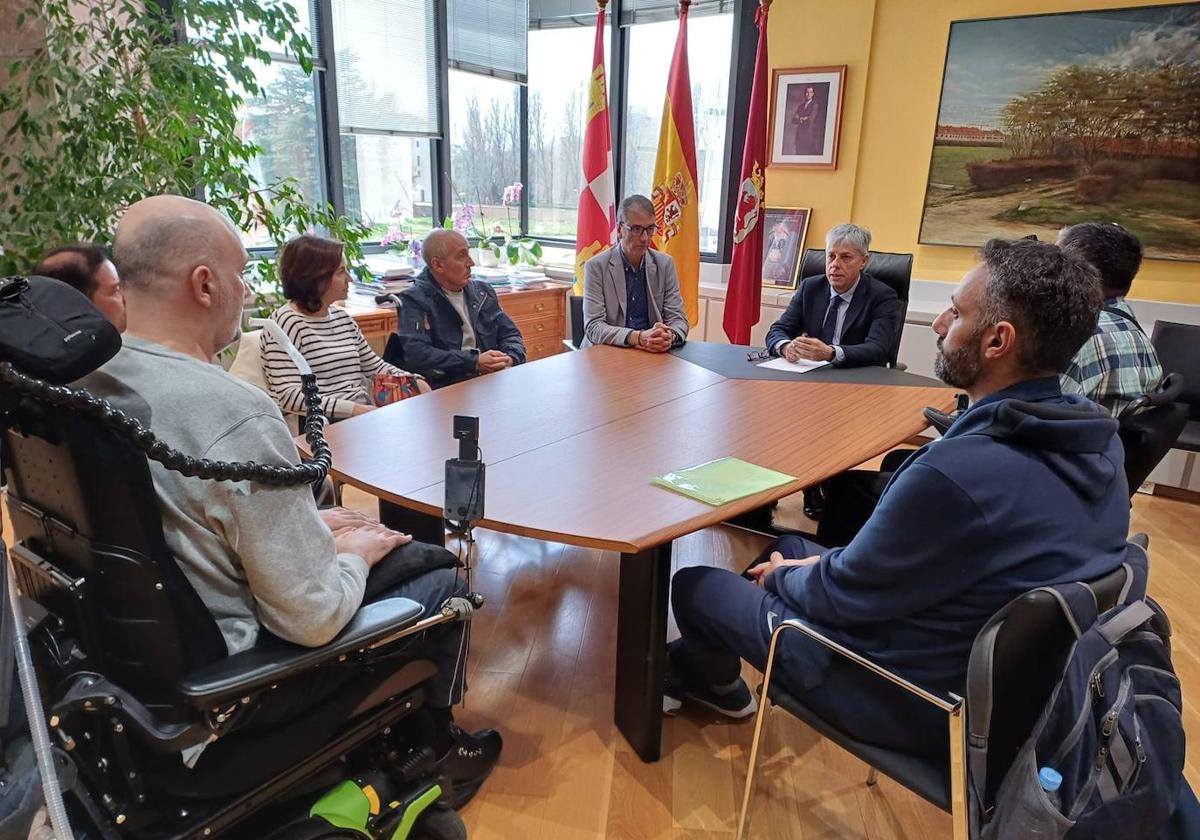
<point x="895" y="51"/>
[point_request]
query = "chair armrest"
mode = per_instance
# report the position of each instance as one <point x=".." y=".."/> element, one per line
<point x="273" y="659"/>
<point x="949" y="703"/>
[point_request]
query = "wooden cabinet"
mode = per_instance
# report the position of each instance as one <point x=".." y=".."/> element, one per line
<point x="540" y="315"/>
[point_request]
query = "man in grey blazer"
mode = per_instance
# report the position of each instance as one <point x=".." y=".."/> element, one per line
<point x="630" y="293"/>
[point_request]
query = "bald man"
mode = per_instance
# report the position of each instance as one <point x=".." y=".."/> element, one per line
<point x="452" y="327"/>
<point x="87" y="268"/>
<point x="263" y="560"/>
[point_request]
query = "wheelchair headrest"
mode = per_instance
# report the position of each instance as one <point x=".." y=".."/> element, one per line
<point x="51" y="331"/>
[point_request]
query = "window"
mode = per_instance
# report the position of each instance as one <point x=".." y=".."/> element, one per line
<point x="485" y="143"/>
<point x="282" y="120"/>
<point x="388" y="182"/>
<point x="710" y="45"/>
<point x="560" y="68"/>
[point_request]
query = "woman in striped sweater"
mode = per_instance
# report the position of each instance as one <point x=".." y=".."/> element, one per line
<point x="314" y="275"/>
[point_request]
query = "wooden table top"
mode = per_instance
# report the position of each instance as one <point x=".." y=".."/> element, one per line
<point x="571" y="442"/>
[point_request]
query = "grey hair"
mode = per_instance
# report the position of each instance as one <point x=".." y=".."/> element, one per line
<point x="161" y="248"/>
<point x="858" y="238"/>
<point x="635" y="200"/>
<point x="436" y="245"/>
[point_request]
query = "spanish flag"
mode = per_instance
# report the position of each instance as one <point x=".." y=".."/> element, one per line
<point x="676" y="195"/>
<point x="597" y="221"/>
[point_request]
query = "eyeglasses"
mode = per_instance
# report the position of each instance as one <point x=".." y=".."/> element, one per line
<point x="639" y="230"/>
<point x="758" y="356"/>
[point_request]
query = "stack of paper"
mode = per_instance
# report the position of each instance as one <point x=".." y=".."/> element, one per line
<point x="722" y="481"/>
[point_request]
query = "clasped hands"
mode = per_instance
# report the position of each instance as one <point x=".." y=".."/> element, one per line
<point x="355" y="533"/>
<point x="490" y="361"/>
<point x="762" y="571"/>
<point x="657" y="339"/>
<point x="806" y="347"/>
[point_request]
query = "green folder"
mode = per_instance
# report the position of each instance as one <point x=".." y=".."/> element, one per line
<point x="722" y="481"/>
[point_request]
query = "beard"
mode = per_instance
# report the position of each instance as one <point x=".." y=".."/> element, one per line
<point x="958" y="368"/>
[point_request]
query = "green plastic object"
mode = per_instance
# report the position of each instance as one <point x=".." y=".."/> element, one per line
<point x="345" y="806"/>
<point x="414" y="811"/>
<point x="722" y="481"/>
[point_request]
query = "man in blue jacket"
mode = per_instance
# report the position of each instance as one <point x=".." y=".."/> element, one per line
<point x="451" y="327"/>
<point x="845" y="316"/>
<point x="1027" y="488"/>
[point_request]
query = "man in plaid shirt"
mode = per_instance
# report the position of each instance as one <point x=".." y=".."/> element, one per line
<point x="1118" y="363"/>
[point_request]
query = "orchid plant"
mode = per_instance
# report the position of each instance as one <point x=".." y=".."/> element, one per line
<point x="471" y="223"/>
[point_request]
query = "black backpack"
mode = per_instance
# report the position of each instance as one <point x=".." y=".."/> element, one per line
<point x="1112" y="731"/>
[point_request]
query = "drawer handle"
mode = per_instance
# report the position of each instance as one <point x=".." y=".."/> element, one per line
<point x="540" y="327"/>
<point x="538" y="307"/>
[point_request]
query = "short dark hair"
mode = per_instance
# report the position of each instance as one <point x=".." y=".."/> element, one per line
<point x="306" y="266"/>
<point x="75" y="265"/>
<point x="1115" y="252"/>
<point x="1049" y="294"/>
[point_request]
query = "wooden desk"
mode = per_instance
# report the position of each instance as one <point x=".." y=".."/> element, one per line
<point x="572" y="442"/>
<point x="539" y="313"/>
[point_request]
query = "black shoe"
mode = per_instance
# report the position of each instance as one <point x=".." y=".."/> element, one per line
<point x="814" y="502"/>
<point x="470" y="761"/>
<point x="940" y="420"/>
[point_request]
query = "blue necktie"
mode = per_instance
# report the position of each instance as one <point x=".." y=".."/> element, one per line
<point x="831" y="316"/>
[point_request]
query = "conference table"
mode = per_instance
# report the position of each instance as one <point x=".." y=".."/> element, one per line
<point x="571" y="444"/>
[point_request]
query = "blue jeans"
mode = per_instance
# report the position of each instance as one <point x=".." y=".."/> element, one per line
<point x="724" y="618"/>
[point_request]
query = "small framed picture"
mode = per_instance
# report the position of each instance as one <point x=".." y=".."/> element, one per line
<point x="806" y="117"/>
<point x="783" y="243"/>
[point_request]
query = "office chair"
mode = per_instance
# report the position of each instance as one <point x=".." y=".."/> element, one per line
<point x="893" y="269"/>
<point x="575" y="307"/>
<point x="1149" y="427"/>
<point x="1178" y="348"/>
<point x="135" y="676"/>
<point x="1031" y="648"/>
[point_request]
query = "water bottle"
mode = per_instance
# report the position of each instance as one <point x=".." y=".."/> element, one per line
<point x="1051" y="781"/>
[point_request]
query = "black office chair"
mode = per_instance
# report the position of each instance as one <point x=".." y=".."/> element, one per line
<point x="575" y="307"/>
<point x="1178" y="348"/>
<point x="1149" y="427"/>
<point x="1031" y="649"/>
<point x="893" y="269"/>
<point x="133" y="669"/>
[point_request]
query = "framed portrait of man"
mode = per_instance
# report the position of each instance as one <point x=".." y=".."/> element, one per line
<point x="783" y="243"/>
<point x="806" y="117"/>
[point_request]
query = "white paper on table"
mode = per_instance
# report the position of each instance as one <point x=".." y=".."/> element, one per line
<point x="802" y="366"/>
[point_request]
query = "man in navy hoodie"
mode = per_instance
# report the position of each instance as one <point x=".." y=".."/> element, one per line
<point x="1026" y="488"/>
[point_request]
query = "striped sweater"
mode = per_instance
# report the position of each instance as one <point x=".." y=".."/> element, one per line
<point x="335" y="349"/>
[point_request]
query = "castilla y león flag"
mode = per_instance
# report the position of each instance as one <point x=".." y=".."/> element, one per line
<point x="597" y="214"/>
<point x="744" y="297"/>
<point x="675" y="195"/>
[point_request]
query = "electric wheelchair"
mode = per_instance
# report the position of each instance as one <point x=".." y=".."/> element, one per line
<point x="146" y="711"/>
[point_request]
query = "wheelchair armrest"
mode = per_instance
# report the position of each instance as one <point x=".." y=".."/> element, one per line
<point x="273" y="659"/>
<point x="946" y="701"/>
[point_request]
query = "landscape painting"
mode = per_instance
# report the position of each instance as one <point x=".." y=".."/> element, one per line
<point x="1049" y="120"/>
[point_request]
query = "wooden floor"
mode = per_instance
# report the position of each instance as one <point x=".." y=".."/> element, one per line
<point x="541" y="671"/>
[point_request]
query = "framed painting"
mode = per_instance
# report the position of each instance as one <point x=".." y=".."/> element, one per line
<point x="783" y="243"/>
<point x="1055" y="119"/>
<point x="806" y="117"/>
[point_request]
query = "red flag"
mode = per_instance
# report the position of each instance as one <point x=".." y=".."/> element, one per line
<point x="597" y="221"/>
<point x="744" y="296"/>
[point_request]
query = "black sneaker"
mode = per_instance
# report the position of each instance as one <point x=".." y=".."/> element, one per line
<point x="470" y="761"/>
<point x="814" y="502"/>
<point x="737" y="702"/>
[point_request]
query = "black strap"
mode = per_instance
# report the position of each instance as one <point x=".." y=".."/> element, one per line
<point x="1112" y="310"/>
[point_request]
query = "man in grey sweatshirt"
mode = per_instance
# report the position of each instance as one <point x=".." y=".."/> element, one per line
<point x="260" y="558"/>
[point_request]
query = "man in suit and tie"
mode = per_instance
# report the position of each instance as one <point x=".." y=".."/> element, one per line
<point x="630" y="293"/>
<point x="844" y="316"/>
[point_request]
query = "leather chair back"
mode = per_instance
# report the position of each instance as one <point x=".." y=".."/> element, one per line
<point x="1149" y="427"/>
<point x="893" y="269"/>
<point x="1178" y="348"/>
<point x="82" y="499"/>
<point x="1031" y="650"/>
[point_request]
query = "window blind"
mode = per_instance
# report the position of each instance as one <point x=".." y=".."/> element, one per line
<point x="489" y="37"/>
<point x="651" y="11"/>
<point x="385" y="53"/>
